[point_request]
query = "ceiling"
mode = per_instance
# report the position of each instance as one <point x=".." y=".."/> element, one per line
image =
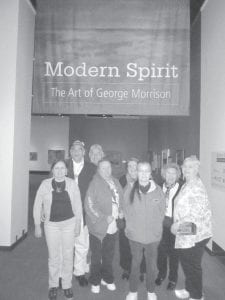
<point x="195" y="6"/>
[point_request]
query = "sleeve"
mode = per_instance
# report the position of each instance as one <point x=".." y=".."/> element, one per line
<point x="162" y="203"/>
<point x="197" y="206"/>
<point x="90" y="205"/>
<point x="38" y="204"/>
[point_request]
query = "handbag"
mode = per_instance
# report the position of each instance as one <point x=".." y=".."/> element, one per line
<point x="187" y="228"/>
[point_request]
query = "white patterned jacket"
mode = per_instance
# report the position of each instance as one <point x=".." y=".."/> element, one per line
<point x="192" y="205"/>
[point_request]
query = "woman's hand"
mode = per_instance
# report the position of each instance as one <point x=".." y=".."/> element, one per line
<point x="121" y="215"/>
<point x="174" y="228"/>
<point x="110" y="219"/>
<point x="77" y="229"/>
<point x="38" y="231"/>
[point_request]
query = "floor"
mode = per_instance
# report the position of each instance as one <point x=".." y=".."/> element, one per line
<point x="24" y="274"/>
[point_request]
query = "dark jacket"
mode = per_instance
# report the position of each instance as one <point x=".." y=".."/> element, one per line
<point x="98" y="205"/>
<point x="123" y="180"/>
<point x="84" y="178"/>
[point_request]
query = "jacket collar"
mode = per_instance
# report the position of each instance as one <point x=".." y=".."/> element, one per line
<point x="152" y="186"/>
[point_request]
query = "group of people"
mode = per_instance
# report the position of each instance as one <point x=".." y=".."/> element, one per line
<point x="83" y="207"/>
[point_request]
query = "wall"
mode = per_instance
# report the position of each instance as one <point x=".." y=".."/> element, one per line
<point x="213" y="106"/>
<point x="129" y="136"/>
<point x="48" y="133"/>
<point x="182" y="132"/>
<point x="17" y="20"/>
<point x="8" y="30"/>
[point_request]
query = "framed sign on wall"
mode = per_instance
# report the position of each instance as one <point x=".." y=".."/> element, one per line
<point x="54" y="155"/>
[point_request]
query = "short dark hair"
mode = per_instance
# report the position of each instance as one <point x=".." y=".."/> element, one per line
<point x="56" y="161"/>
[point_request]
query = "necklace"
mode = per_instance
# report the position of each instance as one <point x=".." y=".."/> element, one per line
<point x="58" y="186"/>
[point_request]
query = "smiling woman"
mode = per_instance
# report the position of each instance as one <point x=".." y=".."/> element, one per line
<point x="58" y="204"/>
<point x="192" y="228"/>
<point x="144" y="209"/>
<point x="59" y="170"/>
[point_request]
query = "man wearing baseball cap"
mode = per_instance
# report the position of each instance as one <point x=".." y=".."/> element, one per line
<point x="82" y="172"/>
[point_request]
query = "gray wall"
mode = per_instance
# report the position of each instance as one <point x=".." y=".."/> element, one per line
<point x="129" y="136"/>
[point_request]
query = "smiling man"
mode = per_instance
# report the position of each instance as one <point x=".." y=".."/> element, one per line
<point x="82" y="172"/>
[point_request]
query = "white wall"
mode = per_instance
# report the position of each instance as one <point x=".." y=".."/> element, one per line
<point x="17" y="20"/>
<point x="8" y="33"/>
<point x="48" y="133"/>
<point x="212" y="127"/>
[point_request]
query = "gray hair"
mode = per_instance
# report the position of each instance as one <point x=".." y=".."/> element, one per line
<point x="133" y="159"/>
<point x="96" y="146"/>
<point x="170" y="166"/>
<point x="193" y="159"/>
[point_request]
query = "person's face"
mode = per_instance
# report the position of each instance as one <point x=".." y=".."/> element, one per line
<point x="190" y="170"/>
<point x="144" y="173"/>
<point x="170" y="176"/>
<point x="77" y="153"/>
<point x="132" y="169"/>
<point x="96" y="155"/>
<point x="59" y="171"/>
<point x="105" y="170"/>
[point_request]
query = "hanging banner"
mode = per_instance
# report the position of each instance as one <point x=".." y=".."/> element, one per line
<point x="124" y="57"/>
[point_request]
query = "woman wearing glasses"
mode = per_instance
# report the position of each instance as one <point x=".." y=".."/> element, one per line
<point x="58" y="200"/>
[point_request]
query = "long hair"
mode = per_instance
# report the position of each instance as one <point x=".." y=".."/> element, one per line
<point x="135" y="189"/>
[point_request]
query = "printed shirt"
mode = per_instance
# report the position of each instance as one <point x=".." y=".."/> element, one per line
<point x="192" y="205"/>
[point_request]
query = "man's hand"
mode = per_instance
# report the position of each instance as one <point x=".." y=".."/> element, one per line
<point x="38" y="231"/>
<point x="110" y="219"/>
<point x="121" y="215"/>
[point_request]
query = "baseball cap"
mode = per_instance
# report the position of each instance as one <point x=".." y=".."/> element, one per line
<point x="79" y="143"/>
